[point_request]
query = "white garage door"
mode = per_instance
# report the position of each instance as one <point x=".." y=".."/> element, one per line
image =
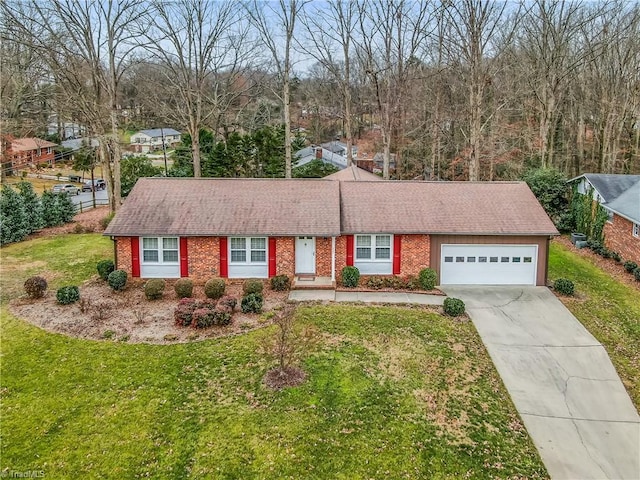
<point x="488" y="264"/>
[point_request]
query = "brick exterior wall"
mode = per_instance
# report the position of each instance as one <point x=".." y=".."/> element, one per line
<point x="123" y="254"/>
<point x="204" y="258"/>
<point x="414" y="253"/>
<point x="285" y="256"/>
<point x="618" y="236"/>
<point x="204" y="255"/>
<point x="323" y="256"/>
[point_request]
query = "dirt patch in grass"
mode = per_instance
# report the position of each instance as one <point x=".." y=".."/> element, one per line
<point x="277" y="379"/>
<point x="614" y="269"/>
<point x="102" y="314"/>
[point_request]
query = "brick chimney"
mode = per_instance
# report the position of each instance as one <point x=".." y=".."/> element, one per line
<point x="319" y="153"/>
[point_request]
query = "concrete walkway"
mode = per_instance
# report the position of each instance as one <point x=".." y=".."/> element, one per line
<point x="561" y="381"/>
<point x="367" y="297"/>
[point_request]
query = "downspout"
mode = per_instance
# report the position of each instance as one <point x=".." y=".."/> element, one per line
<point x="333" y="259"/>
<point x="115" y="251"/>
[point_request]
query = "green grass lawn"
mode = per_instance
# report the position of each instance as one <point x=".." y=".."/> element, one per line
<point x="610" y="310"/>
<point x="391" y="393"/>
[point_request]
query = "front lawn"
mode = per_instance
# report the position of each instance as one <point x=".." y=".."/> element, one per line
<point x="391" y="393"/>
<point x="610" y="310"/>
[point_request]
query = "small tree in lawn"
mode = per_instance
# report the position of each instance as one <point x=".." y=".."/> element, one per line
<point x="13" y="217"/>
<point x="50" y="210"/>
<point x="66" y="208"/>
<point x="285" y="346"/>
<point x="32" y="206"/>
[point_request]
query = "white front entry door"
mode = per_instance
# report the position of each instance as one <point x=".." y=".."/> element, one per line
<point x="488" y="264"/>
<point x="306" y="255"/>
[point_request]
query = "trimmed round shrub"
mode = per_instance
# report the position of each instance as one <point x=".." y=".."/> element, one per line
<point x="427" y="278"/>
<point x="105" y="267"/>
<point x="228" y="301"/>
<point x="214" y="288"/>
<point x="154" y="288"/>
<point x="35" y="287"/>
<point x="184" y="288"/>
<point x="252" y="303"/>
<point x="252" y="286"/>
<point x="563" y="286"/>
<point x="616" y="256"/>
<point x="68" y="295"/>
<point x="280" y="283"/>
<point x="453" y="306"/>
<point x="630" y="266"/>
<point x="117" y="280"/>
<point x="350" y="277"/>
<point x="636" y="273"/>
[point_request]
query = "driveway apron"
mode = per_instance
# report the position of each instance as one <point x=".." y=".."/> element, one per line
<point x="561" y="380"/>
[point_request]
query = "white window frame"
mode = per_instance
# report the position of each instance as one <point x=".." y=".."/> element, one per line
<point x="160" y="250"/>
<point x="373" y="248"/>
<point x="249" y="248"/>
<point x="636" y="229"/>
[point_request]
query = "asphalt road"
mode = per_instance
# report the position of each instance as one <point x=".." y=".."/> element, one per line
<point x="87" y="199"/>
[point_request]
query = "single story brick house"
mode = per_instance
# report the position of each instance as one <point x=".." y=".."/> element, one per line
<point x="619" y="194"/>
<point x="469" y="232"/>
<point x="20" y="153"/>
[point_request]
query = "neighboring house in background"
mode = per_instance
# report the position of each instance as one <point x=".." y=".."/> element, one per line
<point x="470" y="233"/>
<point x="19" y="153"/>
<point x="378" y="162"/>
<point x="315" y="152"/>
<point x="340" y="148"/>
<point x="146" y="141"/>
<point x="620" y="196"/>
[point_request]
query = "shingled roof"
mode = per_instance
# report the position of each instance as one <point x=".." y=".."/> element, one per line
<point x="206" y="207"/>
<point x="278" y="207"/>
<point x="609" y="186"/>
<point x="353" y="173"/>
<point x="493" y="208"/>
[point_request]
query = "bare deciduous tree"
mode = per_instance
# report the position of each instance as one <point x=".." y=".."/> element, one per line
<point x="87" y="45"/>
<point x="197" y="49"/>
<point x="276" y="26"/>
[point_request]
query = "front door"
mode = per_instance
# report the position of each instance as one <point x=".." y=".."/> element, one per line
<point x="306" y="255"/>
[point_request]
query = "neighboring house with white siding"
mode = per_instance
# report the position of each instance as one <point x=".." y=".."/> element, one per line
<point x="146" y="141"/>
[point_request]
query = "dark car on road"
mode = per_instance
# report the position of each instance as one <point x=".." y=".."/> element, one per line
<point x="98" y="184"/>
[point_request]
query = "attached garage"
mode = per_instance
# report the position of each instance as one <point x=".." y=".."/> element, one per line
<point x="488" y="264"/>
<point x="490" y="259"/>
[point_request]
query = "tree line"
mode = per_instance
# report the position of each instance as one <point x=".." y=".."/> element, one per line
<point x="467" y="90"/>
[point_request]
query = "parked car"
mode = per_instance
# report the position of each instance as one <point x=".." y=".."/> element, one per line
<point x="98" y="184"/>
<point x="66" y="188"/>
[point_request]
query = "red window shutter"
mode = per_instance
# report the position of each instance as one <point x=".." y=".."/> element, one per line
<point x="184" y="257"/>
<point x="350" y="250"/>
<point x="272" y="257"/>
<point x="397" y="241"/>
<point x="135" y="256"/>
<point x="224" y="263"/>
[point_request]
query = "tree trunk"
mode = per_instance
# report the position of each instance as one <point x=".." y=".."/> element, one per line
<point x="287" y="123"/>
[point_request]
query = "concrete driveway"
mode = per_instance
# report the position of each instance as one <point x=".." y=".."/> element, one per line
<point x="561" y="381"/>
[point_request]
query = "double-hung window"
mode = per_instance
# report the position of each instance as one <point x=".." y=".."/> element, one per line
<point x="373" y="247"/>
<point x="248" y="250"/>
<point x="636" y="229"/>
<point x="160" y="250"/>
